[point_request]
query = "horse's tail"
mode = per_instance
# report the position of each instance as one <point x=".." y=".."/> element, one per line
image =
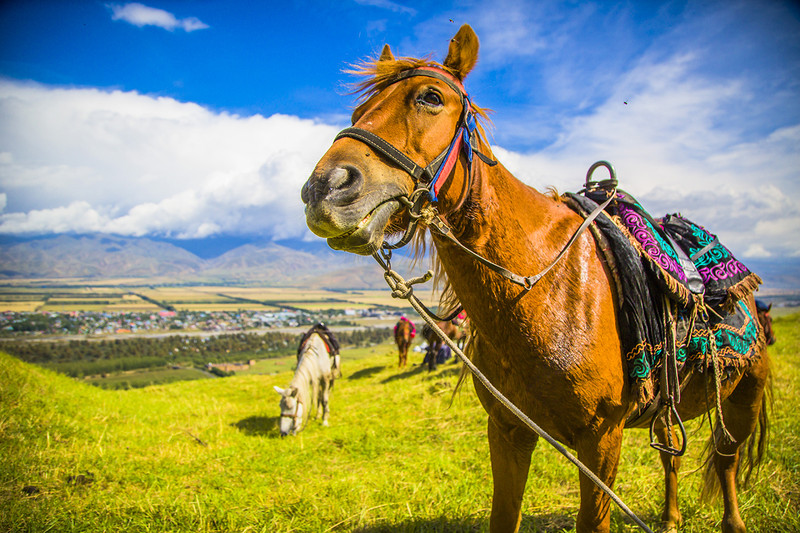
<point x="754" y="453"/>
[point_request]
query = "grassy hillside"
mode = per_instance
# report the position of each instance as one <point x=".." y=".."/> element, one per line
<point x="206" y="456"/>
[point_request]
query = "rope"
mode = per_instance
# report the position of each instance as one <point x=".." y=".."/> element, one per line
<point x="716" y="365"/>
<point x="403" y="289"/>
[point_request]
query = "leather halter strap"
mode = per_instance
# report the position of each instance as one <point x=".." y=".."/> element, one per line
<point x="436" y="172"/>
<point x="420" y="174"/>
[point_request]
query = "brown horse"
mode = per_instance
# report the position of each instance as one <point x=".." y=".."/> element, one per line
<point x="553" y="350"/>
<point x="403" y="335"/>
<point x="765" y="320"/>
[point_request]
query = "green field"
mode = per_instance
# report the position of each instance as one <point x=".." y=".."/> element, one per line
<point x="205" y="455"/>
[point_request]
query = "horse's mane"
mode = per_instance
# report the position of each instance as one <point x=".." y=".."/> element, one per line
<point x="380" y="74"/>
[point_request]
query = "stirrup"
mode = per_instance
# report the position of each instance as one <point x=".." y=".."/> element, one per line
<point x="665" y="447"/>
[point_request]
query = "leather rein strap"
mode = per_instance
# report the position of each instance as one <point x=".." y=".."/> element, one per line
<point x="527" y="282"/>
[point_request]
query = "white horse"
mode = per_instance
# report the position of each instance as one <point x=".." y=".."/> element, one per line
<point x="310" y="387"/>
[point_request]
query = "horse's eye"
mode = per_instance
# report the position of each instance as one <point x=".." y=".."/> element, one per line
<point x="431" y="98"/>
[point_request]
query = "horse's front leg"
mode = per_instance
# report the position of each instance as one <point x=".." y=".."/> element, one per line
<point x="600" y="453"/>
<point x="324" y="398"/>
<point x="671" y="517"/>
<point x="510" y="449"/>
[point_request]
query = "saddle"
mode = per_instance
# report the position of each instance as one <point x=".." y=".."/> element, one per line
<point x="680" y="295"/>
<point x="331" y="343"/>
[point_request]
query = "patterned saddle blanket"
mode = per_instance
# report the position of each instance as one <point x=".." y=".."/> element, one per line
<point x="678" y="282"/>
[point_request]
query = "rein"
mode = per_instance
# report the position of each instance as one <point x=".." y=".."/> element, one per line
<point x="403" y="289"/>
<point x="428" y="181"/>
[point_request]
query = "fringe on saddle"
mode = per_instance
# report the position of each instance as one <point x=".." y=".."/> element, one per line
<point x="680" y="294"/>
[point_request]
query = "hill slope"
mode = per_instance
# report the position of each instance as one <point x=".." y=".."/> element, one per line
<point x="205" y="456"/>
<point x="94" y="256"/>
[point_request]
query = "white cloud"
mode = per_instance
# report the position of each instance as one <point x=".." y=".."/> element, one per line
<point x="141" y="15"/>
<point x="389" y="5"/>
<point x="75" y="217"/>
<point x="89" y="160"/>
<point x="681" y="145"/>
<point x="136" y="164"/>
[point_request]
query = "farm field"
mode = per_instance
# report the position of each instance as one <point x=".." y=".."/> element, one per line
<point x="68" y="298"/>
<point x="401" y="455"/>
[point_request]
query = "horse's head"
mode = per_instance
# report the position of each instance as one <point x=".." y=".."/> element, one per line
<point x="411" y="114"/>
<point x="291" y="411"/>
<point x="765" y="320"/>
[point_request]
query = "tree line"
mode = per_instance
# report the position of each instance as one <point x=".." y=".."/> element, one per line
<point x="80" y="358"/>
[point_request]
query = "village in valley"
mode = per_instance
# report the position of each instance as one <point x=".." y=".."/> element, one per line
<point x="106" y="312"/>
<point x="102" y="323"/>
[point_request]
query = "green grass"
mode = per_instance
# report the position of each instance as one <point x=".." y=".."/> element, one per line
<point x="146" y="378"/>
<point x="206" y="456"/>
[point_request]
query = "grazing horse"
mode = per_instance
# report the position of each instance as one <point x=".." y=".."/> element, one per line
<point x="553" y="349"/>
<point x="404" y="332"/>
<point x="309" y="389"/>
<point x="765" y="320"/>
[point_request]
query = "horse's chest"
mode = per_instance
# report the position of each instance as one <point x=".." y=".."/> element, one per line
<point x="532" y="345"/>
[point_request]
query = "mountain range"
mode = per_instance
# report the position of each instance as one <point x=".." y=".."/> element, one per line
<point x="95" y="257"/>
<point x="235" y="260"/>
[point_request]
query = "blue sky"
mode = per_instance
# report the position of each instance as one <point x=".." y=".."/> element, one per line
<point x="203" y="119"/>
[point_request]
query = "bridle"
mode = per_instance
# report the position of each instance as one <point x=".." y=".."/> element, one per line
<point x="294" y="416"/>
<point x="428" y="180"/>
<point x="434" y="175"/>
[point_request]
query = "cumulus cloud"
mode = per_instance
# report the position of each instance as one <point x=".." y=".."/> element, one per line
<point x="678" y="145"/>
<point x="88" y="160"/>
<point x="141" y="15"/>
<point x="132" y="164"/>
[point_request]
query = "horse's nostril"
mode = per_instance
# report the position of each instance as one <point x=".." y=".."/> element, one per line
<point x="338" y="177"/>
<point x="339" y="184"/>
<point x="343" y="178"/>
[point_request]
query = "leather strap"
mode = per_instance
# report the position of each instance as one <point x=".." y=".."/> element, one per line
<point x="385" y="148"/>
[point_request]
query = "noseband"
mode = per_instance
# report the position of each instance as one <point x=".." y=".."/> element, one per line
<point x="435" y="174"/>
<point x="295" y="415"/>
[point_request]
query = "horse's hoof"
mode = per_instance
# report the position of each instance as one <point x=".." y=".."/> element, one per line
<point x="325" y="423"/>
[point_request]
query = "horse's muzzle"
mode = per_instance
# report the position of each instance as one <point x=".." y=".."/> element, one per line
<point x="340" y="185"/>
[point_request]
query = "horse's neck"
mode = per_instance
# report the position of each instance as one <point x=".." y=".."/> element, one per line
<point x="521" y="230"/>
<point x="509" y="222"/>
<point x="308" y="368"/>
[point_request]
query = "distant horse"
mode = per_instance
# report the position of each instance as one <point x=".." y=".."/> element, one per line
<point x="404" y="332"/>
<point x="555" y="348"/>
<point x="765" y="320"/>
<point x="309" y="389"/>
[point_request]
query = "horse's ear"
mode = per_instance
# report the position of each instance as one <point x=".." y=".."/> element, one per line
<point x="386" y="54"/>
<point x="769" y="307"/>
<point x="278" y="390"/>
<point x="463" y="52"/>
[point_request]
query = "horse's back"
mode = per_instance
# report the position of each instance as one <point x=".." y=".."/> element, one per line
<point x="402" y="333"/>
<point x="316" y="351"/>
